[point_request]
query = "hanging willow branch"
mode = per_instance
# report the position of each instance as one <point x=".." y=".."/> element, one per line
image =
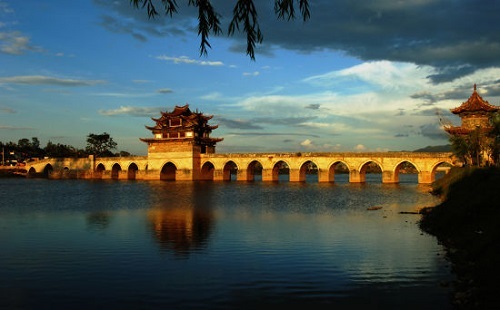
<point x="244" y="17"/>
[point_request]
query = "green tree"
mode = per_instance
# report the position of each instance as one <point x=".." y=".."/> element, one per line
<point x="124" y="154"/>
<point x="476" y="140"/>
<point x="60" y="150"/>
<point x="244" y="16"/>
<point x="24" y="146"/>
<point x="494" y="139"/>
<point x="100" y="144"/>
<point x="28" y="149"/>
<point x="460" y="148"/>
<point x="474" y="148"/>
<point x="36" y="151"/>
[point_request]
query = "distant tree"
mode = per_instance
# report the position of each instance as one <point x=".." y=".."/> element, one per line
<point x="3" y="150"/>
<point x="60" y="150"/>
<point x="100" y="144"/>
<point x="24" y="146"/>
<point x="244" y="16"/>
<point x="124" y="154"/>
<point x="35" y="143"/>
<point x="36" y="151"/>
<point x="27" y="149"/>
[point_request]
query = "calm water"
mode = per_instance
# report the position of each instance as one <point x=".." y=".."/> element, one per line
<point x="75" y="244"/>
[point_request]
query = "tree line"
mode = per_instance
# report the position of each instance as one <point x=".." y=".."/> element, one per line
<point x="99" y="145"/>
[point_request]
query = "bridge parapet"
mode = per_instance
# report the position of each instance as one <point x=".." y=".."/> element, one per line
<point x="331" y="154"/>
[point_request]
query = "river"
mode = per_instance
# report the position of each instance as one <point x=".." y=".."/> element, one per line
<point x="80" y="244"/>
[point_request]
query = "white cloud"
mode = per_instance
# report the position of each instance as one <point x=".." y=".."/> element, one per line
<point x="212" y="96"/>
<point x="255" y="73"/>
<point x="2" y="127"/>
<point x="48" y="80"/>
<point x="379" y="74"/>
<point x="306" y="142"/>
<point x="189" y="61"/>
<point x="325" y="147"/>
<point x="124" y="95"/>
<point x="131" y="111"/>
<point x="14" y="43"/>
<point x="164" y="91"/>
<point x="360" y="148"/>
<point x="365" y="118"/>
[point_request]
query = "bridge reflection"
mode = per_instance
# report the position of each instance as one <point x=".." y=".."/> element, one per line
<point x="182" y="219"/>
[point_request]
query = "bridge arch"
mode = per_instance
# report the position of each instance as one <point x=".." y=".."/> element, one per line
<point x="168" y="172"/>
<point x="65" y="172"/>
<point x="47" y="170"/>
<point x="308" y="167"/>
<point x="32" y="172"/>
<point x="253" y="169"/>
<point x="102" y="164"/>
<point x="369" y="166"/>
<point x="132" y="171"/>
<point x="338" y="166"/>
<point x="441" y="164"/>
<point x="406" y="167"/>
<point x="99" y="170"/>
<point x="207" y="171"/>
<point x="115" y="171"/>
<point x="230" y="167"/>
<point x="281" y="167"/>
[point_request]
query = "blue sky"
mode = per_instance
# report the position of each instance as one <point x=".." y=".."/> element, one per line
<point x="357" y="76"/>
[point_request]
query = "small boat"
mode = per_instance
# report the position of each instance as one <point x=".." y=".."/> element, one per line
<point x="374" y="208"/>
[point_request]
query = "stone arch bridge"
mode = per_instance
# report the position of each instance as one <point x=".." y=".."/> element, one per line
<point x="244" y="166"/>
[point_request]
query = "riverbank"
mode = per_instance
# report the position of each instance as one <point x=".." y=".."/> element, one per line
<point x="11" y="172"/>
<point x="467" y="224"/>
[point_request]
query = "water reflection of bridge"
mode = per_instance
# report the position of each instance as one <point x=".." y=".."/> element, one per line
<point x="245" y="166"/>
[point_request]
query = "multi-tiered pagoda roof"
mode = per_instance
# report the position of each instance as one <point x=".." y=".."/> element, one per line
<point x="475" y="104"/>
<point x="475" y="112"/>
<point x="183" y="124"/>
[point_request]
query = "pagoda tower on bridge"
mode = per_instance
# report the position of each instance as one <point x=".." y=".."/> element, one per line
<point x="181" y="136"/>
<point x="475" y="114"/>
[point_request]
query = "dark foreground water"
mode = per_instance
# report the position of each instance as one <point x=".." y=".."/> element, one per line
<point x="75" y="244"/>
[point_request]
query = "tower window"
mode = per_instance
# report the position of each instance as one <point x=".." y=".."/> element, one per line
<point x="175" y="122"/>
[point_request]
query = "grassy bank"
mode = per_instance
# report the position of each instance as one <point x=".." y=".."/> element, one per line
<point x="467" y="223"/>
